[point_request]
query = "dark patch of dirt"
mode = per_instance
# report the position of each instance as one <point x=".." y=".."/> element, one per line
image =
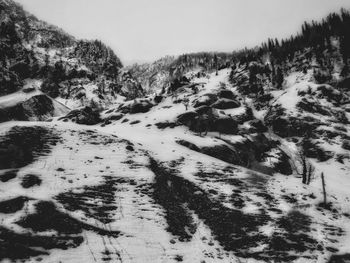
<point x="98" y="202"/>
<point x="290" y="199"/>
<point x="292" y="238"/>
<point x="48" y="217"/>
<point x="344" y="258"/>
<point x="12" y="205"/>
<point x="23" y="145"/>
<point x="165" y="193"/>
<point x="8" y="175"/>
<point x="14" y="246"/>
<point x="234" y="230"/>
<point x="30" y="180"/>
<point x="134" y="122"/>
<point x="92" y="137"/>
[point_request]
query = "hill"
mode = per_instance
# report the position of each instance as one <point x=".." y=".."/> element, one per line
<point x="204" y="157"/>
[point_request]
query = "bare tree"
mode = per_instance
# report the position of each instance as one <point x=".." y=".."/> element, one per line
<point x="324" y="190"/>
<point x="307" y="169"/>
<point x="186" y="102"/>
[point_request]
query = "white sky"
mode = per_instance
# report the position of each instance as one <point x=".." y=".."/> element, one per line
<point x="144" y="30"/>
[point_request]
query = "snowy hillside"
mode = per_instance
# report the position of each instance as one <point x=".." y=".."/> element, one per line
<point x="103" y="191"/>
<point x="204" y="157"/>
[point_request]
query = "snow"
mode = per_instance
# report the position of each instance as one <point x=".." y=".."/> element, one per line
<point x="13" y="99"/>
<point x="141" y="220"/>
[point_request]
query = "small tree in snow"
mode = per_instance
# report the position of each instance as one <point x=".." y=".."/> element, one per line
<point x="307" y="169"/>
<point x="186" y="102"/>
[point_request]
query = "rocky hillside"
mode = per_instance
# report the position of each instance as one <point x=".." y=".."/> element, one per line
<point x="38" y="57"/>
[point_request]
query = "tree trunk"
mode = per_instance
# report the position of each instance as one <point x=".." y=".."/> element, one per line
<point x="324" y="189"/>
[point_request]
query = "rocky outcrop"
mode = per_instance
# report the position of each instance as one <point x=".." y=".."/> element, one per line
<point x="205" y="120"/>
<point x="205" y="100"/>
<point x="138" y="106"/>
<point x="86" y="115"/>
<point x="226" y="94"/>
<point x="224" y="104"/>
<point x="37" y="108"/>
<point x="249" y="153"/>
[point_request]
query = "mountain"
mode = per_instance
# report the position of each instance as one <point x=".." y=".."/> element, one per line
<point x="203" y="157"/>
<point x="44" y="58"/>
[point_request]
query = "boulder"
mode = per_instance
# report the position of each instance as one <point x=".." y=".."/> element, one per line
<point x="205" y="100"/>
<point x="140" y="107"/>
<point x="224" y="104"/>
<point x="226" y="94"/>
<point x="164" y="125"/>
<point x="189" y="145"/>
<point x="222" y="152"/>
<point x="36" y="108"/>
<point x="157" y="99"/>
<point x="86" y="116"/>
<point x="204" y="110"/>
<point x="113" y="117"/>
<point x="187" y="118"/>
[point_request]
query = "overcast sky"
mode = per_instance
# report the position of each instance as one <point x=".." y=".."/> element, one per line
<point x="144" y="30"/>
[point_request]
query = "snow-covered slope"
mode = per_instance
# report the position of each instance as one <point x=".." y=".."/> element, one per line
<point x="207" y="157"/>
<point x="146" y="187"/>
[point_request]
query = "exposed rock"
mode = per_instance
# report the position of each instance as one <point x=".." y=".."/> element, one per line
<point x="290" y="126"/>
<point x="140" y="107"/>
<point x="163" y="125"/>
<point x="187" y="118"/>
<point x="86" y="116"/>
<point x="178" y="83"/>
<point x="226" y="94"/>
<point x="224" y="104"/>
<point x="206" y="100"/>
<point x="114" y="117"/>
<point x="135" y="122"/>
<point x="204" y="109"/>
<point x="129" y="148"/>
<point x="188" y="144"/>
<point x="157" y="99"/>
<point x="222" y="152"/>
<point x="38" y="107"/>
